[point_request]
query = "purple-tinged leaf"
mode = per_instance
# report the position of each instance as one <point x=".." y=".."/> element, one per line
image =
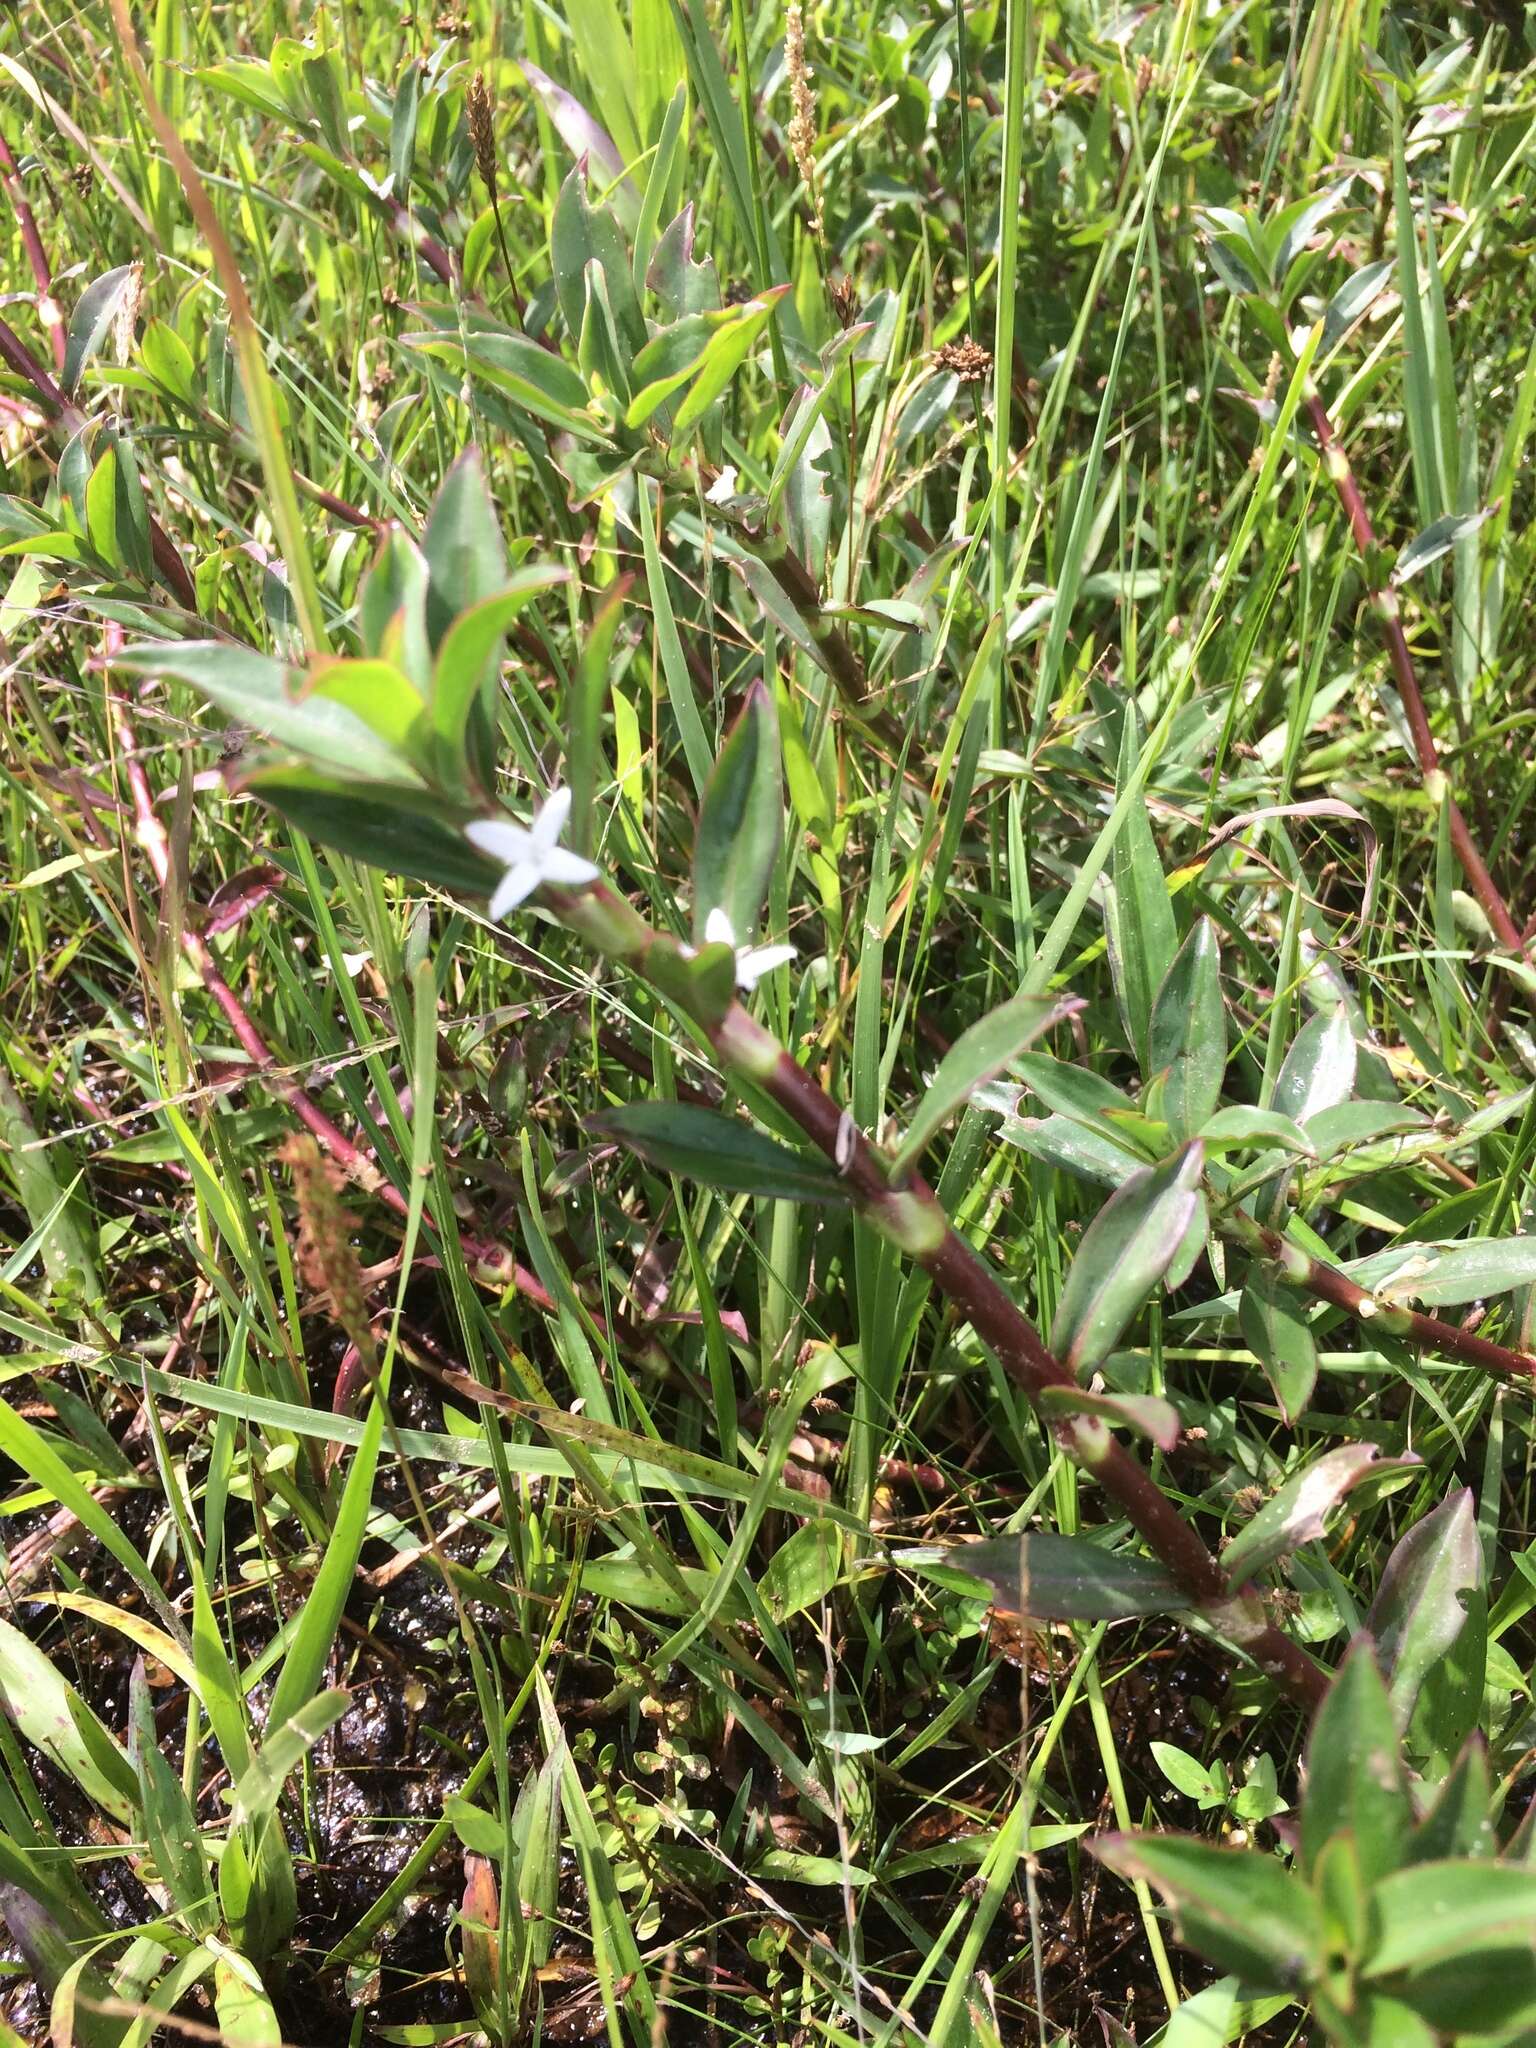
<point x="1149" y="1416"/>
<point x="1298" y="1513"/>
<point x="1422" y="1603"/>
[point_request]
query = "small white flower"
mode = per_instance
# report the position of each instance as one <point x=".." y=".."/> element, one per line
<point x="531" y="854"/>
<point x="752" y="962"/>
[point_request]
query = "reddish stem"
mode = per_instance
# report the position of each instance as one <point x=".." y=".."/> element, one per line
<point x="1384" y="603"/>
<point x="37" y="256"/>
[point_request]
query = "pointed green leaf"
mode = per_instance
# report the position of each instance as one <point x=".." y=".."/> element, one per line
<point x="1058" y="1578"/>
<point x="1139" y="926"/>
<point x="976" y="1056"/>
<point x="385" y="825"/>
<point x="1277" y="1331"/>
<point x="257" y="691"/>
<point x="1437" y="539"/>
<point x="465" y="553"/>
<point x="1146" y="1414"/>
<point x="1124" y="1253"/>
<point x="1187" y="1044"/>
<point x="1238" y="1907"/>
<point x="1319" y="1069"/>
<point x="283" y="1749"/>
<point x="1355" y="1782"/>
<point x="1453" y="1940"/>
<point x="740" y="821"/>
<point x="95" y="310"/>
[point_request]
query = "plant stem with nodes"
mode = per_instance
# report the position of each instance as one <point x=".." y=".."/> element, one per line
<point x="911" y="1217"/>
<point x="1384" y="603"/>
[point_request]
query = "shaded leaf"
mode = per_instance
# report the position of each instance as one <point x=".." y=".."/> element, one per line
<point x="95" y="310"/>
<point x="716" y="1150"/>
<point x="1187" y="1043"/>
<point x="740" y="823"/>
<point x="1437" y="539"/>
<point x="1355" y="1783"/>
<point x="1124" y="1253"/>
<point x="385" y="825"/>
<point x="1277" y="1331"/>
<point x="1239" y="1908"/>
<point x="1058" y="1578"/>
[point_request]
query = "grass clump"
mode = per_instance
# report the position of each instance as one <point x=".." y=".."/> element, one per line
<point x="766" y="1079"/>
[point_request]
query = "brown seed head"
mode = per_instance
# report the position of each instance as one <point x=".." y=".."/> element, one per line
<point x="327" y="1259"/>
<point x="967" y="359"/>
<point x="482" y="129"/>
<point x="802" y="100"/>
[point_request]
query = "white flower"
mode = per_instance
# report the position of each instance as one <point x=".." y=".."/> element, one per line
<point x="752" y="962"/>
<point x="531" y="853"/>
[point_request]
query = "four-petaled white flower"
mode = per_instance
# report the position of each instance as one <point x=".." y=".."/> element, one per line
<point x="752" y="962"/>
<point x="531" y="854"/>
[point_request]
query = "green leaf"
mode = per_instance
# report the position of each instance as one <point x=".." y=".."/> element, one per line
<point x="95" y="310"/>
<point x="378" y="693"/>
<point x="68" y="1259"/>
<point x="385" y="825"/>
<point x="1188" y="1775"/>
<point x="802" y="1571"/>
<point x="1124" y="1253"/>
<point x="51" y="1715"/>
<point x="245" y="2014"/>
<point x="540" y="383"/>
<point x="740" y="822"/>
<point x="283" y="1748"/>
<point x="1441" y="1276"/>
<point x="1319" y="1069"/>
<point x="170" y="1825"/>
<point x="1354" y="297"/>
<point x="1073" y="1091"/>
<point x="1298" y="1513"/>
<point x="1457" y="1822"/>
<point x="1453" y="1941"/>
<point x="723" y="358"/>
<point x="1238" y="1907"/>
<point x="1239" y="1126"/>
<point x="1187" y="1040"/>
<point x="1422" y="1603"/>
<point x="259" y="692"/>
<point x="718" y="1151"/>
<point x="1061" y="1141"/>
<point x="320" y="1617"/>
<point x="1139" y="925"/>
<point x="579" y="234"/>
<point x="465" y="554"/>
<point x="1355" y="1783"/>
<point x="1058" y="1578"/>
<point x="683" y="285"/>
<point x="1437" y="539"/>
<point x="392" y="606"/>
<point x="469" y="656"/>
<point x="978" y="1054"/>
<point x="1277" y="1331"/>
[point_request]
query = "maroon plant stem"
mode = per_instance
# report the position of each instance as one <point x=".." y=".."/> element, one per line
<point x="959" y="1273"/>
<point x="911" y="1217"/>
<point x="37" y="255"/>
<point x="1327" y="1283"/>
<point x="1384" y="603"/>
<point x="67" y="418"/>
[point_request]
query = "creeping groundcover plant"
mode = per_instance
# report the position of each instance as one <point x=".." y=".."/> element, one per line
<point x="767" y="1084"/>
